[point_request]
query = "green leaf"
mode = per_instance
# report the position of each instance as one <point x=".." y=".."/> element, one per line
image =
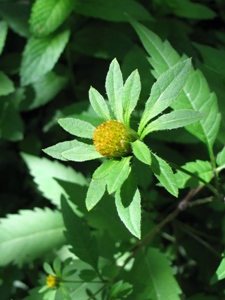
<point x="79" y="236"/>
<point x="195" y="95"/>
<point x="131" y="93"/>
<point x="11" y="124"/>
<point x="220" y="272"/>
<point x="188" y="9"/>
<point x="120" y="290"/>
<point x="81" y="152"/>
<point x="77" y="127"/>
<point x="175" y="119"/>
<point x="6" y="85"/>
<point x="153" y="271"/>
<point x="29" y="235"/>
<point x="220" y="160"/>
<point x="142" y="152"/>
<point x="45" y="172"/>
<point x="164" y="174"/>
<point x="165" y="91"/>
<point x="119" y="172"/>
<point x="104" y="169"/>
<point x="99" y="104"/>
<point x="95" y="192"/>
<point x="130" y="215"/>
<point x="128" y="204"/>
<point x="201" y="168"/>
<point x="112" y="10"/>
<point x="16" y="14"/>
<point x="40" y="56"/>
<point x="46" y="88"/>
<point x="3" y="34"/>
<point x="48" y="269"/>
<point x="47" y="16"/>
<point x="114" y="89"/>
<point x="56" y="150"/>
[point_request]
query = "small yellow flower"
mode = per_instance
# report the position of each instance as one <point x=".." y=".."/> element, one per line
<point x="52" y="281"/>
<point x="112" y="139"/>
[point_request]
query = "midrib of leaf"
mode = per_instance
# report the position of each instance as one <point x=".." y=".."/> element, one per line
<point x="153" y="281"/>
<point x="33" y="235"/>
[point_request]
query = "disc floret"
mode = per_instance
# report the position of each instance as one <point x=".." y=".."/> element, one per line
<point x="113" y="139"/>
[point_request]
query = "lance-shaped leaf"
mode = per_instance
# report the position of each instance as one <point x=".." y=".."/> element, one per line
<point x="142" y="152"/>
<point x="175" y="119"/>
<point x="79" y="236"/>
<point x="114" y="89"/>
<point x="95" y="192"/>
<point x="99" y="104"/>
<point x="118" y="174"/>
<point x="56" y="150"/>
<point x="165" y="91"/>
<point x="164" y="174"/>
<point x="128" y="204"/>
<point x="131" y="93"/>
<point x="77" y="127"/>
<point x="81" y="152"/>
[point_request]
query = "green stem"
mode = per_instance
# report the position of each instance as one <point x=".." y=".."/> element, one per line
<point x="213" y="161"/>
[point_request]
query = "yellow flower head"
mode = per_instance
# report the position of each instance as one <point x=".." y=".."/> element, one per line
<point x="112" y="139"/>
<point x="52" y="281"/>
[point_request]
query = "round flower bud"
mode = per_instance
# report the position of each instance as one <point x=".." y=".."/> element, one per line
<point x="112" y="139"/>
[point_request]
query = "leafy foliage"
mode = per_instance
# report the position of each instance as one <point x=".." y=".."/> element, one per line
<point x="119" y="196"/>
<point x="29" y="235"/>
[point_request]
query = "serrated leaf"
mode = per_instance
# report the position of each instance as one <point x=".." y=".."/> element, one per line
<point x="79" y="236"/>
<point x="77" y="127"/>
<point x="175" y="119"/>
<point x="164" y="174"/>
<point x="40" y="56"/>
<point x="165" y="91"/>
<point x="114" y="89"/>
<point x="112" y="10"/>
<point x="118" y="174"/>
<point x="199" y="167"/>
<point x="220" y="160"/>
<point x="99" y="104"/>
<point x="3" y="34"/>
<point x="6" y="85"/>
<point x="44" y="171"/>
<point x="81" y="152"/>
<point x="142" y="152"/>
<point x="95" y="192"/>
<point x="128" y="204"/>
<point x="195" y="95"/>
<point x="47" y="16"/>
<point x="30" y="234"/>
<point x="153" y="271"/>
<point x="131" y="93"/>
